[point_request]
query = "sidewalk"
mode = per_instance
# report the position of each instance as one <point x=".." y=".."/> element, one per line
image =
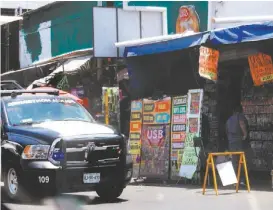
<point x="257" y="185"/>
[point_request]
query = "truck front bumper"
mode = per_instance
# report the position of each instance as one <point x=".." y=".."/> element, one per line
<point x="43" y="176"/>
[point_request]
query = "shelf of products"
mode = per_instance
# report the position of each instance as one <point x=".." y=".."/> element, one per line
<point x="257" y="103"/>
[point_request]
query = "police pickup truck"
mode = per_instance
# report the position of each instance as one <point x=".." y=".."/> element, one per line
<point x="51" y="144"/>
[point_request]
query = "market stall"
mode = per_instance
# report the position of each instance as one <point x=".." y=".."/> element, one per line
<point x="230" y="77"/>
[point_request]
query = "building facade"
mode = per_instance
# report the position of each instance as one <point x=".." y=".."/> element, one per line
<point x="10" y="32"/>
<point x="67" y="26"/>
<point x="233" y="13"/>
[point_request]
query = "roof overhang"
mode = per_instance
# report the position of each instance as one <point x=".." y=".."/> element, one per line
<point x="8" y="19"/>
<point x="223" y="36"/>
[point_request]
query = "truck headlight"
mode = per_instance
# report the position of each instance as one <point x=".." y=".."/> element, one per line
<point x="55" y="154"/>
<point x="39" y="152"/>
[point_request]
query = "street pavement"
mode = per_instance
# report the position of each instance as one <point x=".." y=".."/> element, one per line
<point x="166" y="198"/>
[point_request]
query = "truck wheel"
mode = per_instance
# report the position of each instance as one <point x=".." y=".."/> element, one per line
<point x="109" y="193"/>
<point x="12" y="184"/>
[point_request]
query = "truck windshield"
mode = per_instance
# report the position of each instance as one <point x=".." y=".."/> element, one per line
<point x="40" y="109"/>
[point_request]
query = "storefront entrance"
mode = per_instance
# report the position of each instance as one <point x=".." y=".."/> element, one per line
<point x="229" y="96"/>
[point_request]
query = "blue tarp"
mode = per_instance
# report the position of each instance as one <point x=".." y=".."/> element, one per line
<point x="234" y="35"/>
<point x="166" y="46"/>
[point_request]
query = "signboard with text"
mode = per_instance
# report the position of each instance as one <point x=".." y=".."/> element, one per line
<point x="208" y="63"/>
<point x="156" y="112"/>
<point x="190" y="155"/>
<point x="178" y="132"/>
<point x="155" y="151"/>
<point x="135" y="134"/>
<point x="261" y="68"/>
<point x="155" y="138"/>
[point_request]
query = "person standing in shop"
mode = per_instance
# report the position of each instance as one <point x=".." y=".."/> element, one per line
<point x="237" y="133"/>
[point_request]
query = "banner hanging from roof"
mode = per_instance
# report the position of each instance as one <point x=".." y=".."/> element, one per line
<point x="208" y="63"/>
<point x="261" y="68"/>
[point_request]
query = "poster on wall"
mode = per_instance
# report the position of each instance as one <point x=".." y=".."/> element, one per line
<point x="189" y="162"/>
<point x="208" y="63"/>
<point x="190" y="155"/>
<point x="110" y="106"/>
<point x="156" y="112"/>
<point x="187" y="20"/>
<point x="135" y="134"/>
<point x="261" y="68"/>
<point x="155" y="151"/>
<point x="178" y="133"/>
<point x="155" y="138"/>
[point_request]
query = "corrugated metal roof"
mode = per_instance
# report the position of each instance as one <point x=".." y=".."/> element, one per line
<point x="45" y="7"/>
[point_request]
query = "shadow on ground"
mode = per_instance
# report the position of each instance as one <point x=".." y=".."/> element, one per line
<point x="254" y="185"/>
<point x="79" y="199"/>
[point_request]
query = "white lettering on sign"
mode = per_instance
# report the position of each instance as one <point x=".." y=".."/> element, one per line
<point x="176" y="136"/>
<point x="43" y="100"/>
<point x="43" y="179"/>
<point x="179" y="119"/>
<point x="178" y="145"/>
<point x="179" y="101"/>
<point x="154" y="134"/>
<point x="177" y="128"/>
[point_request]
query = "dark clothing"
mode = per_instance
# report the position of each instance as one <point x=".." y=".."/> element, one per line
<point x="235" y="139"/>
<point x="125" y="115"/>
<point x="234" y="131"/>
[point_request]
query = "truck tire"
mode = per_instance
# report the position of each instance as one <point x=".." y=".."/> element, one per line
<point x="109" y="193"/>
<point x="13" y="188"/>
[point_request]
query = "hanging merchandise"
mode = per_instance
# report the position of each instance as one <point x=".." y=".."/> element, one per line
<point x="261" y="68"/>
<point x="257" y="103"/>
<point x="190" y="155"/>
<point x="63" y="84"/>
<point x="208" y="63"/>
<point x="135" y="134"/>
<point x="178" y="133"/>
<point x="155" y="138"/>
<point x="110" y="106"/>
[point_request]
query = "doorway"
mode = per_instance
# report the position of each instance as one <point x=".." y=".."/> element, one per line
<point x="229" y="95"/>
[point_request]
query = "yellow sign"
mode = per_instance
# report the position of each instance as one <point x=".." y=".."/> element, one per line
<point x="106" y="107"/>
<point x="135" y="147"/>
<point x="208" y="63"/>
<point x="261" y="68"/>
<point x="135" y="134"/>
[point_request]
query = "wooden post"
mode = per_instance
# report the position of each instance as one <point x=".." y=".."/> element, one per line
<point x="206" y="174"/>
<point x="246" y="173"/>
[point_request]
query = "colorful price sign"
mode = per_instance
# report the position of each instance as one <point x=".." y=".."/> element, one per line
<point x="135" y="134"/>
<point x="208" y="63"/>
<point x="261" y="68"/>
<point x="178" y="129"/>
<point x="157" y="112"/>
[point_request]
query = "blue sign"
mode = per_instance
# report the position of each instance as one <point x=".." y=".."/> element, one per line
<point x="136" y="106"/>
<point x="162" y="118"/>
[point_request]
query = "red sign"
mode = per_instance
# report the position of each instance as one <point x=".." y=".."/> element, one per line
<point x="179" y="118"/>
<point x="261" y="68"/>
<point x="178" y="137"/>
<point x="135" y="126"/>
<point x="154" y="136"/>
<point x="162" y="106"/>
<point x="208" y="63"/>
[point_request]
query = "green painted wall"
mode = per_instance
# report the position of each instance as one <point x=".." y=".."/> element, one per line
<point x="70" y="27"/>
<point x="201" y="8"/>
